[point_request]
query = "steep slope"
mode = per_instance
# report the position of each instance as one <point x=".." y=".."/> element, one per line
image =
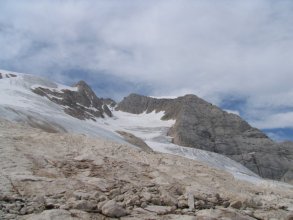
<point x="68" y="176"/>
<point x="202" y="125"/>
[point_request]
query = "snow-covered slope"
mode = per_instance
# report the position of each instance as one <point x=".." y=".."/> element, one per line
<point x="19" y="103"/>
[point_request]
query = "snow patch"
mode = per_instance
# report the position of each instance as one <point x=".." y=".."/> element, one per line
<point x="232" y="112"/>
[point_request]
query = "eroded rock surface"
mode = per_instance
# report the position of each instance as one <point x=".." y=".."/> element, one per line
<point x="65" y="176"/>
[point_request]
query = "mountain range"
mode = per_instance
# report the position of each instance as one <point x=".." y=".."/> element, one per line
<point x="186" y="126"/>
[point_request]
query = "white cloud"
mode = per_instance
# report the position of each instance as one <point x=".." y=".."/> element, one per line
<point x="278" y="120"/>
<point x="211" y="48"/>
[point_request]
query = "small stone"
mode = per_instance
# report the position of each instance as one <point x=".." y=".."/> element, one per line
<point x="101" y="204"/>
<point x="57" y="196"/>
<point x="130" y="208"/>
<point x="199" y="204"/>
<point x="213" y="200"/>
<point x="226" y="204"/>
<point x="182" y="204"/>
<point x="150" y="185"/>
<point x="11" y="207"/>
<point x="23" y="211"/>
<point x="119" y="198"/>
<point x="102" y="198"/>
<point x="160" y="210"/>
<point x="30" y="210"/>
<point x="65" y="207"/>
<point x="143" y="205"/>
<point x="132" y="201"/>
<point x="85" y="205"/>
<point x="146" y="196"/>
<point x="96" y="195"/>
<point x="50" y="203"/>
<point x="156" y="201"/>
<point x="112" y="209"/>
<point x="39" y="199"/>
<point x="153" y="190"/>
<point x="218" y="197"/>
<point x="190" y="201"/>
<point x="185" y="211"/>
<point x="115" y="192"/>
<point x="236" y="204"/>
<point x="182" y="197"/>
<point x="12" y="211"/>
<point x="81" y="195"/>
<point x="248" y="212"/>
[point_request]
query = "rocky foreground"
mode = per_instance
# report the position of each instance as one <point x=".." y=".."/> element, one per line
<point x="65" y="176"/>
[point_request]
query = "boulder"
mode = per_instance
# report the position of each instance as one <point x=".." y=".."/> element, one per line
<point x="160" y="210"/>
<point x="236" y="204"/>
<point x="113" y="210"/>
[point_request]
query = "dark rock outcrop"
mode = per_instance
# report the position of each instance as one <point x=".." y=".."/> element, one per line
<point x="132" y="139"/>
<point x="81" y="103"/>
<point x="9" y="75"/>
<point x="202" y="125"/>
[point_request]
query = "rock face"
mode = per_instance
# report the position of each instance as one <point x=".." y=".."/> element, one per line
<point x="81" y="103"/>
<point x="202" y="125"/>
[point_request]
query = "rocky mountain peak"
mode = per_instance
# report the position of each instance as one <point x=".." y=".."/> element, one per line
<point x="201" y="125"/>
<point x="83" y="86"/>
<point x="81" y="103"/>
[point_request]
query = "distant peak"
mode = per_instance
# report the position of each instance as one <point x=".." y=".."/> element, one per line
<point x="7" y="75"/>
<point x="81" y="84"/>
<point x="135" y="95"/>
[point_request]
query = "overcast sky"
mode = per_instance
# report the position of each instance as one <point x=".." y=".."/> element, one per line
<point x="235" y="53"/>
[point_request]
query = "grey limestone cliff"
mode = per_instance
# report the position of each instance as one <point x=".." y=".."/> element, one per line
<point x="202" y="125"/>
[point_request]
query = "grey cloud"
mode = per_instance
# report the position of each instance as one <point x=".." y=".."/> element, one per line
<point x="207" y="47"/>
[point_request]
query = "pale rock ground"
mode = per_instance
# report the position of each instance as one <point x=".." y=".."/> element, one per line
<point x="69" y="176"/>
